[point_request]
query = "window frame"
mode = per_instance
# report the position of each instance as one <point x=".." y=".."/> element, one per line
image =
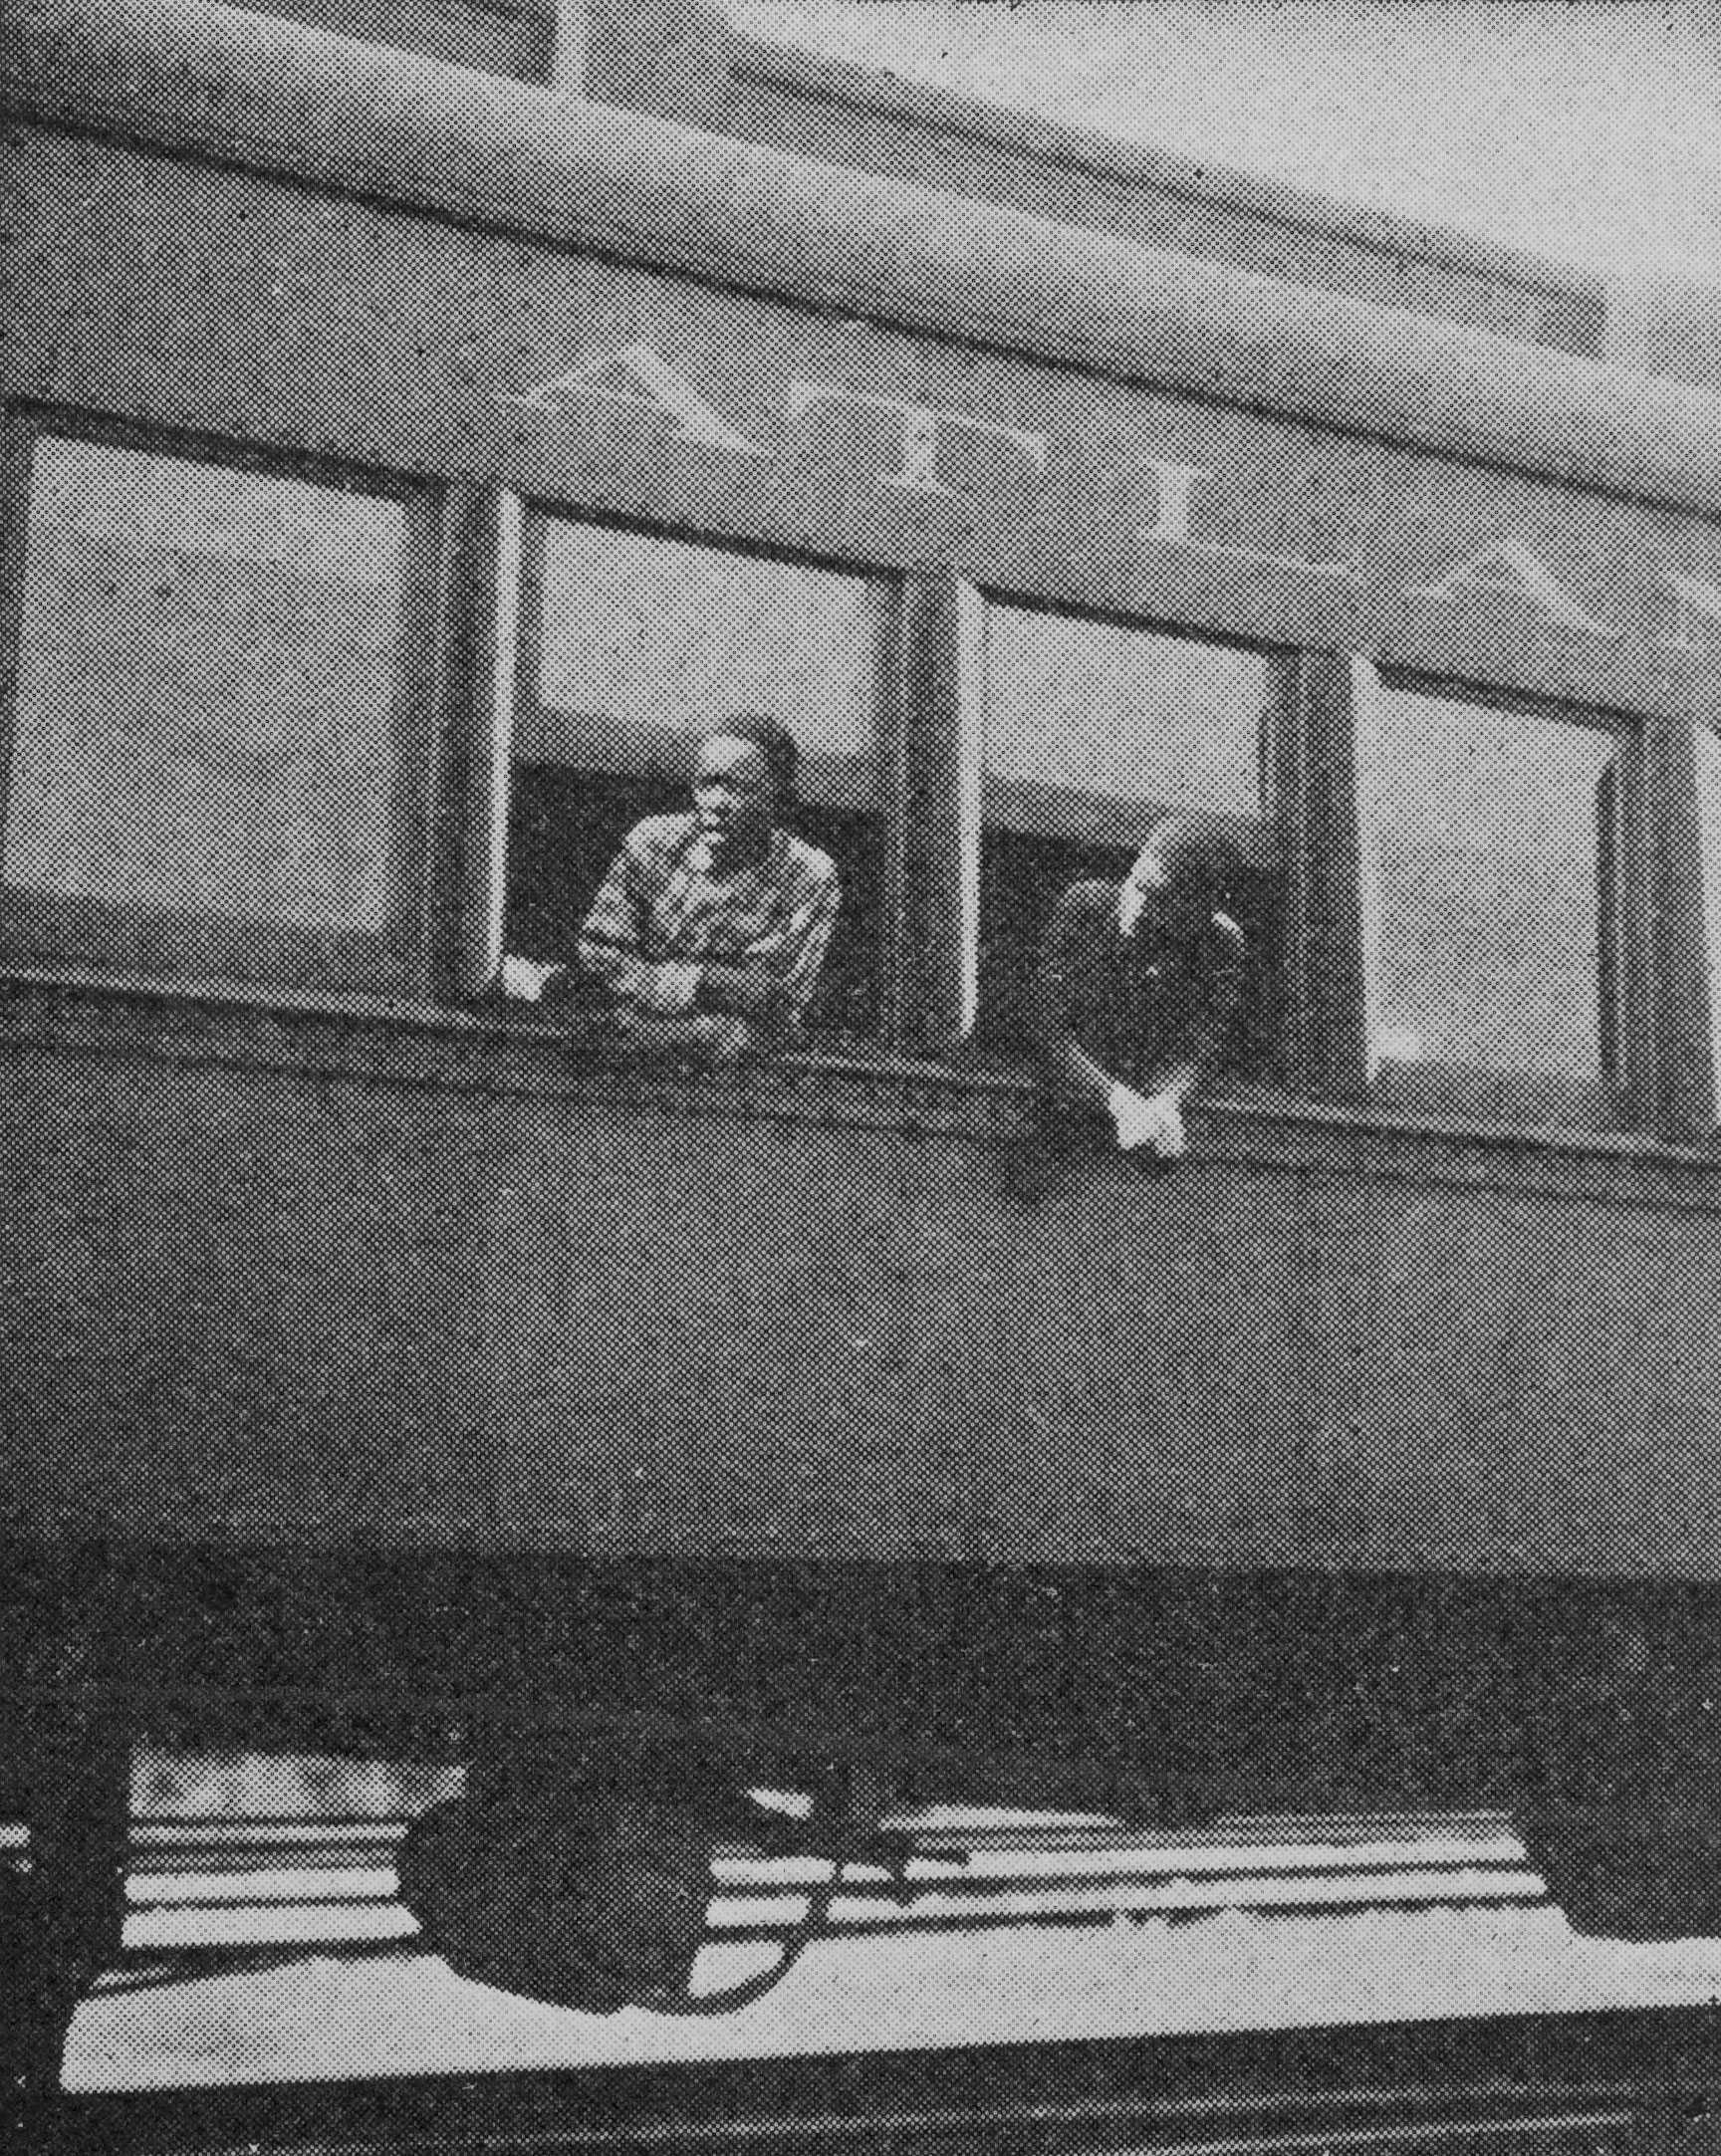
<point x="385" y="962"/>
<point x="484" y="884"/>
<point x="945" y="694"/>
<point x="930" y="803"/>
<point x="466" y="665"/>
<point x="928" y="772"/>
<point x="1685" y="957"/>
<point x="1652" y="999"/>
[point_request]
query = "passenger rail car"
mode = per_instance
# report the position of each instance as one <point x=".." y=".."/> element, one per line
<point x="376" y="1352"/>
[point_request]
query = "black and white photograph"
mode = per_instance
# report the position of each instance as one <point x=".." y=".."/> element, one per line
<point x="861" y="1077"/>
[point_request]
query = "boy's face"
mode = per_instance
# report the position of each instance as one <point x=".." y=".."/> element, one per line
<point x="733" y="798"/>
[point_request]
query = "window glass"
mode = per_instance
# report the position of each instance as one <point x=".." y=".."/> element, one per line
<point x="1090" y="714"/>
<point x="643" y="643"/>
<point x="204" y="776"/>
<point x="1488" y="858"/>
<point x="1093" y="730"/>
<point x="646" y="637"/>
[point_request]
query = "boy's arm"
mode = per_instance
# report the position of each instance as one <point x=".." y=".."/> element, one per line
<point x="610" y="947"/>
<point x="1068" y="1068"/>
<point x="775" y="982"/>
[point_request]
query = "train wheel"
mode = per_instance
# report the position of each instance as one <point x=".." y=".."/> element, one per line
<point x="1623" y="1718"/>
<point x="1614" y="1876"/>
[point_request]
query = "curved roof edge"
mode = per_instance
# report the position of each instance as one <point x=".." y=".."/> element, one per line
<point x="479" y="149"/>
<point x="1195" y="179"/>
<point x="687" y="60"/>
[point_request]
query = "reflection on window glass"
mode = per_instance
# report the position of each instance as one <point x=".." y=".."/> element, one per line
<point x="1093" y="730"/>
<point x="1117" y="715"/>
<point x="649" y="642"/>
<point x="1486" y="829"/>
<point x="206" y="714"/>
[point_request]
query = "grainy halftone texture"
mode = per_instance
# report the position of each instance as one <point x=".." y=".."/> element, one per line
<point x="547" y="1448"/>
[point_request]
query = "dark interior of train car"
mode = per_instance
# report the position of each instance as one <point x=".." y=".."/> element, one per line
<point x="565" y="829"/>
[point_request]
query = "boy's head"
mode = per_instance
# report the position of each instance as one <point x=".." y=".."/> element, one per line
<point x="1182" y="875"/>
<point x="743" y="773"/>
<point x="773" y="741"/>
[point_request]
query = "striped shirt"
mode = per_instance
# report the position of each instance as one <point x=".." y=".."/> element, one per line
<point x="660" y="904"/>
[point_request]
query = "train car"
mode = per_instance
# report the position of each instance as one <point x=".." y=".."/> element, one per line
<point x="383" y="1354"/>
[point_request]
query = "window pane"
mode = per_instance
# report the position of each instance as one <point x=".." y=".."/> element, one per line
<point x="207" y="706"/>
<point x="1077" y="708"/>
<point x="1486" y="827"/>
<point x="647" y="638"/>
<point x="645" y="642"/>
<point x="1093" y="730"/>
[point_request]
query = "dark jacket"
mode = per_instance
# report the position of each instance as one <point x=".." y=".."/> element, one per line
<point x="1108" y="1006"/>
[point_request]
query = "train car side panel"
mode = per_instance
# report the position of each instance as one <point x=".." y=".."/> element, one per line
<point x="561" y="1318"/>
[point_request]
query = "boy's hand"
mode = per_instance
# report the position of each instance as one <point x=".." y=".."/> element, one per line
<point x="524" y="980"/>
<point x="1147" y="1122"/>
<point x="1168" y="1125"/>
<point x="667" y="991"/>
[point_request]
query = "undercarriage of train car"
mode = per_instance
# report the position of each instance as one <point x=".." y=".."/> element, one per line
<point x="630" y="1723"/>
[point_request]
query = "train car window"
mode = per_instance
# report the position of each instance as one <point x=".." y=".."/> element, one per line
<point x="1093" y="729"/>
<point x="645" y="642"/>
<point x="1492" y="873"/>
<point x="205" y="777"/>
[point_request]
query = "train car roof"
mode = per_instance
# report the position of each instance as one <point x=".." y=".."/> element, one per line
<point x="687" y="60"/>
<point x="322" y="110"/>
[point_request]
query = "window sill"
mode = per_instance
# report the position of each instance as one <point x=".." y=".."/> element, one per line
<point x="1264" y="1127"/>
<point x="508" y="1052"/>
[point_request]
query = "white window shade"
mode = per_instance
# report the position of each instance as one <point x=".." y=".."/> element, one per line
<point x="647" y="639"/>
